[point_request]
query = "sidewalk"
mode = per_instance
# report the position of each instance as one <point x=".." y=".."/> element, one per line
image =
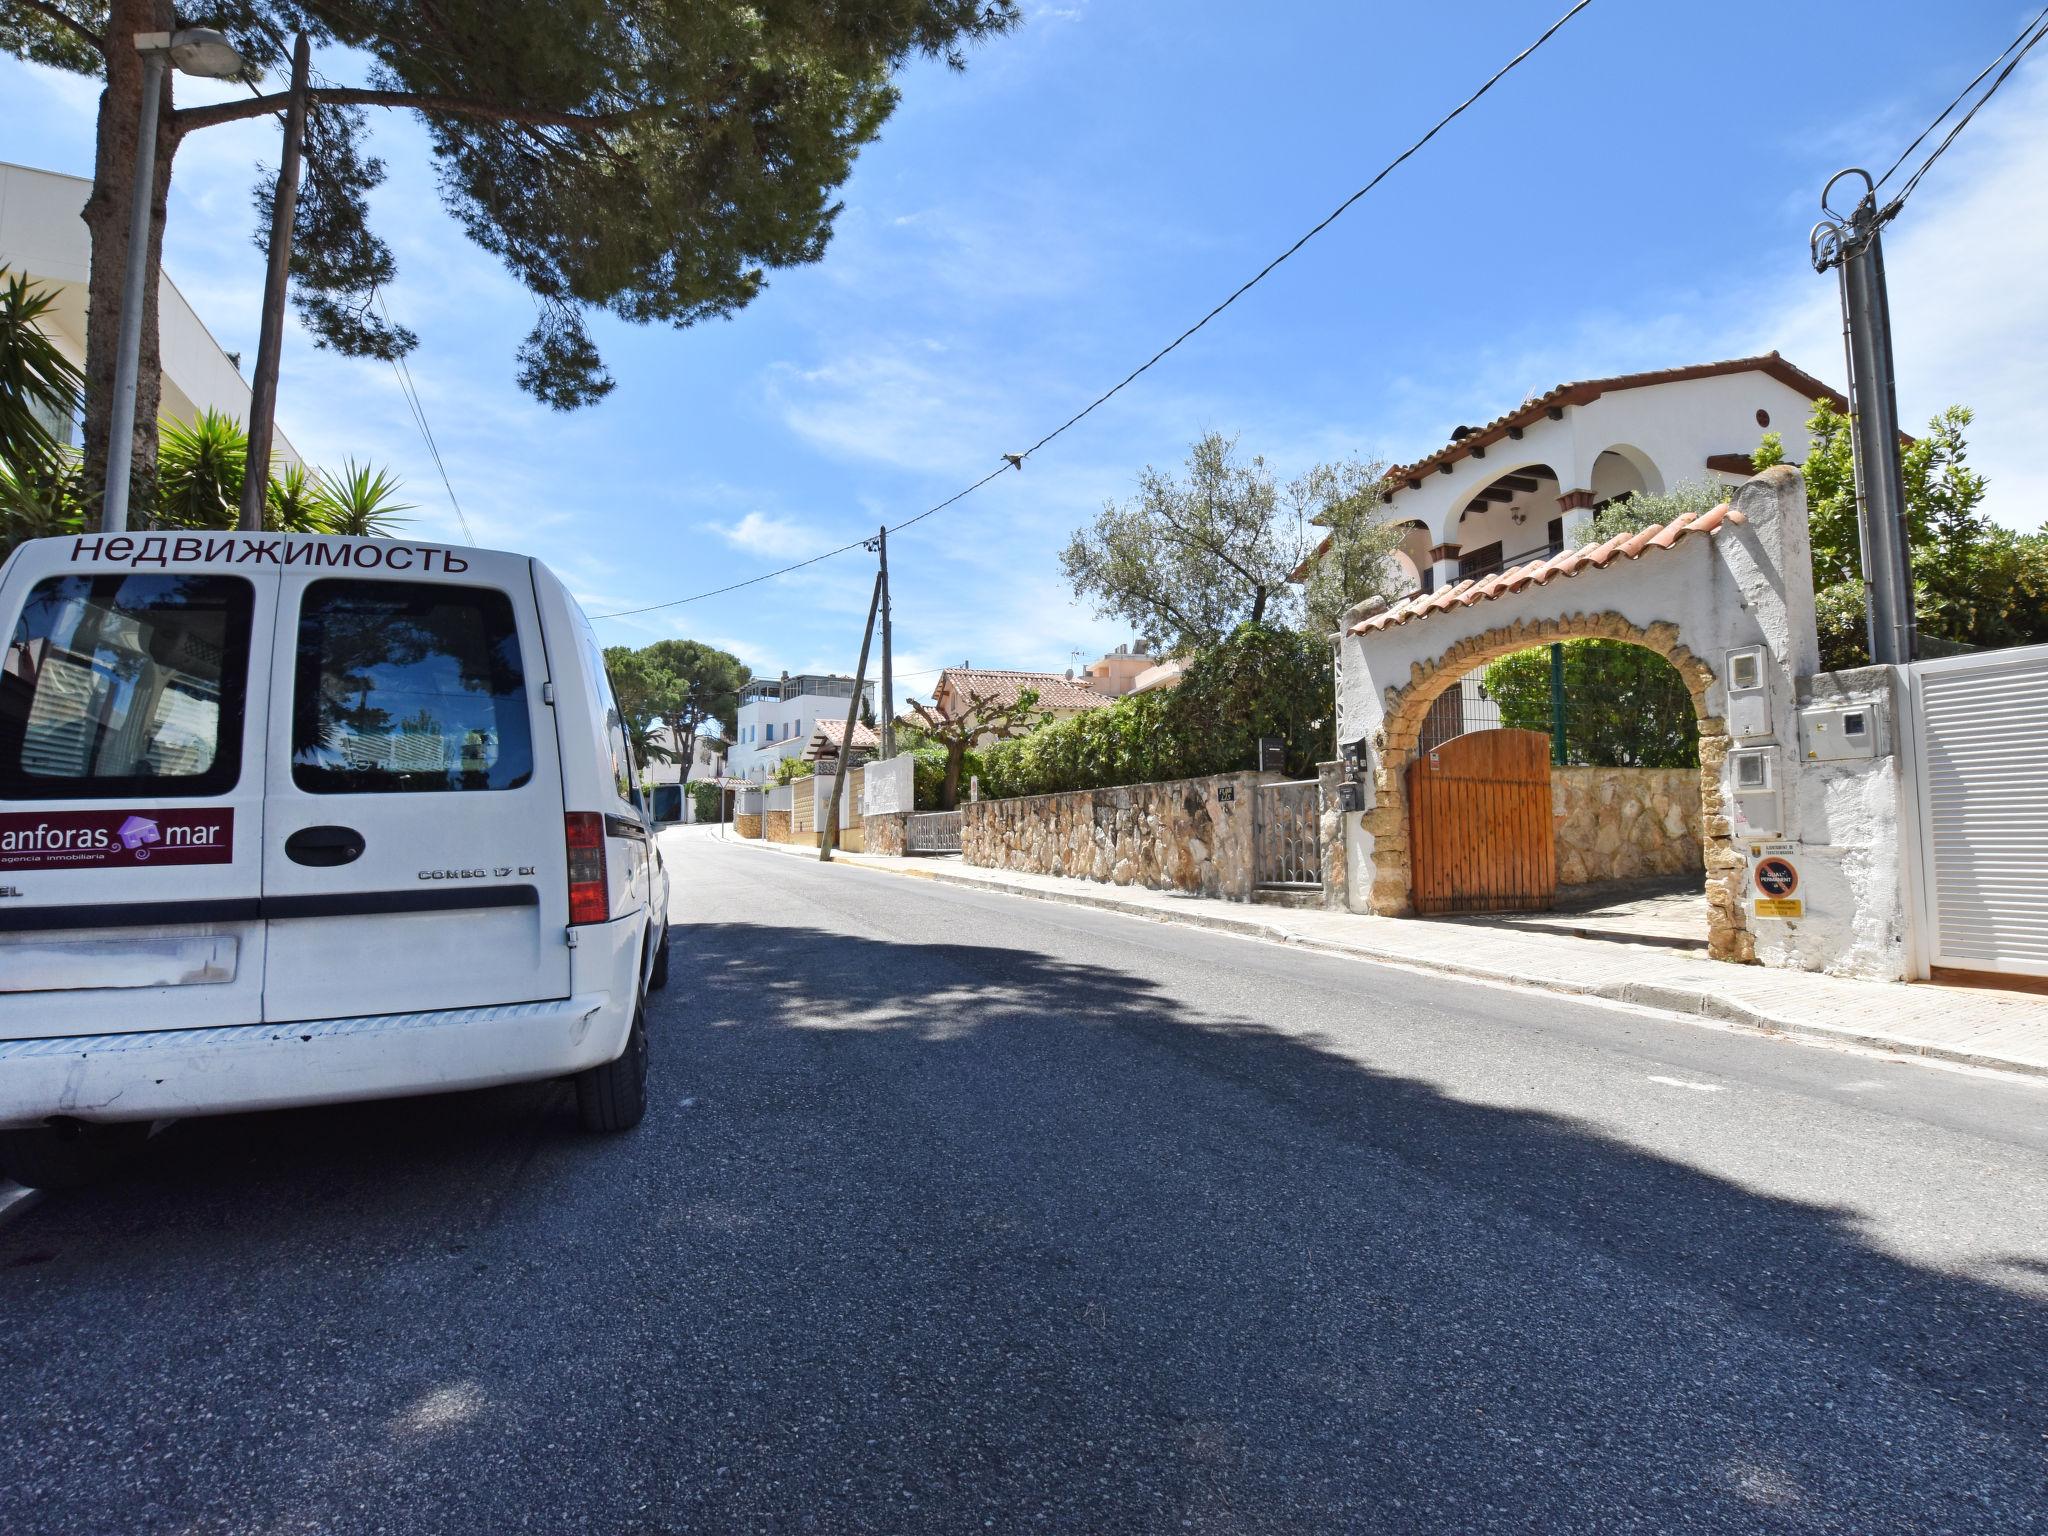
<point x="1969" y="1026"/>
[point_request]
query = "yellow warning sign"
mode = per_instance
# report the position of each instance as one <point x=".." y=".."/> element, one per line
<point x="1780" y="907"/>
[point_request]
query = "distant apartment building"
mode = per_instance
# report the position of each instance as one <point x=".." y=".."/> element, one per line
<point x="1117" y="673"/>
<point x="43" y="237"/>
<point x="777" y="716"/>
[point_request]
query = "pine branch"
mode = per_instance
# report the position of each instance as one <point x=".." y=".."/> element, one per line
<point x="186" y="119"/>
<point x="67" y="21"/>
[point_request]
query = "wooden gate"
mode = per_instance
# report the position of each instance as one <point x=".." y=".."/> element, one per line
<point x="1479" y="831"/>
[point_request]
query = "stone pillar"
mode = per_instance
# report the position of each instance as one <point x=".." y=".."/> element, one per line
<point x="1331" y="833"/>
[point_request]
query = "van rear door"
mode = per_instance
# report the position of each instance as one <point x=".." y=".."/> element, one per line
<point x="131" y="785"/>
<point x="415" y="857"/>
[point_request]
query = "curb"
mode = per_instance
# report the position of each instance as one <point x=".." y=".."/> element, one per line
<point x="1643" y="994"/>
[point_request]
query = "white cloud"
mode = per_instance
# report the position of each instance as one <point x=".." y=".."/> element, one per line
<point x="772" y="537"/>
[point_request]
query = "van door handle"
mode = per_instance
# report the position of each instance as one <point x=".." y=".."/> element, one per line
<point x="324" y="845"/>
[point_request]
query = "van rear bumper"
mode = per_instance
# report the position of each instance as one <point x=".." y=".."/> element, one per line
<point x="162" y="1074"/>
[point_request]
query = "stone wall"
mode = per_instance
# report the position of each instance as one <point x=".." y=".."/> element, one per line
<point x="746" y="824"/>
<point x="1190" y="835"/>
<point x="888" y="833"/>
<point x="1626" y="823"/>
<point x="778" y="828"/>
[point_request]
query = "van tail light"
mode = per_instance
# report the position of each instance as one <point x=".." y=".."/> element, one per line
<point x="590" y="893"/>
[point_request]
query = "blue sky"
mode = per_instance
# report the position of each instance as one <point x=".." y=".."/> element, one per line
<point x="1637" y="195"/>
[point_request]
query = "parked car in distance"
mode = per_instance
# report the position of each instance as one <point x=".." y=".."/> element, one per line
<point x="291" y="819"/>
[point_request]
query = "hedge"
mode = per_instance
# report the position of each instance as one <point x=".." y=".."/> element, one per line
<point x="1262" y="681"/>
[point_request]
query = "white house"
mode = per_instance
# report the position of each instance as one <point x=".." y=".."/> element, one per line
<point x="777" y="716"/>
<point x="42" y="235"/>
<point x="1526" y="484"/>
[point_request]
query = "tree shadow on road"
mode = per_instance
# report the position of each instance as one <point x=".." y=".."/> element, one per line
<point x="950" y="1232"/>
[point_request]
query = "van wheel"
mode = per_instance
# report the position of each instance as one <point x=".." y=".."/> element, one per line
<point x="70" y="1155"/>
<point x="658" y="977"/>
<point x="613" y="1097"/>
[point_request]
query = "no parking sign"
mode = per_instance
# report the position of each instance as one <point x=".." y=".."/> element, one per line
<point x="1775" y="879"/>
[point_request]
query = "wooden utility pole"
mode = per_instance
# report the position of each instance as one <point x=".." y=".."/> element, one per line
<point x="828" y="835"/>
<point x="270" y="341"/>
<point x="888" y="732"/>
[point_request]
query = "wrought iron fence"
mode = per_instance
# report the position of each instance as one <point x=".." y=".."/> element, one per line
<point x="1287" y="838"/>
<point x="932" y="832"/>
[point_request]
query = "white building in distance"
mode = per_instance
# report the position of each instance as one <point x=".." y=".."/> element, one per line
<point x="777" y="716"/>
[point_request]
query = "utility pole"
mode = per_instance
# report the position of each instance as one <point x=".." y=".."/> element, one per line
<point x="270" y="340"/>
<point x="888" y="672"/>
<point x="828" y="835"/>
<point x="1851" y="245"/>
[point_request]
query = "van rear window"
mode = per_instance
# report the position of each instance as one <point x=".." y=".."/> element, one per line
<point x="407" y="686"/>
<point x="117" y="686"/>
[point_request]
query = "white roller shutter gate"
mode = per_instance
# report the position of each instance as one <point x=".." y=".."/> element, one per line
<point x="1983" y="770"/>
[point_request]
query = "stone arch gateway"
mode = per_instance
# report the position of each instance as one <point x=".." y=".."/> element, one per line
<point x="1696" y="592"/>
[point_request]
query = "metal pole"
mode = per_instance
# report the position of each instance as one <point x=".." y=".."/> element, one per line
<point x="1557" y="745"/>
<point x="128" y="350"/>
<point x="828" y="835"/>
<point x="1853" y="245"/>
<point x="888" y="670"/>
<point x="270" y="341"/>
<point x="1874" y="420"/>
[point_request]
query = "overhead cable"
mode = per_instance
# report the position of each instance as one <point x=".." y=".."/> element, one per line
<point x="1016" y="460"/>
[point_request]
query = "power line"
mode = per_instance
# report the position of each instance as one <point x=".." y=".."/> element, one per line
<point x="2029" y="35"/>
<point x="1887" y="176"/>
<point x="407" y="388"/>
<point x="1016" y="461"/>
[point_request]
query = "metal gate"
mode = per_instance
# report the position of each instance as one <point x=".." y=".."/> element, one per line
<point x="1981" y="755"/>
<point x="1287" y="836"/>
<point x="1479" y="830"/>
<point x="932" y="832"/>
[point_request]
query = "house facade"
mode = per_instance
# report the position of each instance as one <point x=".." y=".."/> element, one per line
<point x="777" y="716"/>
<point x="1117" y="673"/>
<point x="1527" y="484"/>
<point x="43" y="236"/>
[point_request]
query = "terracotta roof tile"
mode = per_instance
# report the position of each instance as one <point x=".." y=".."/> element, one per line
<point x="827" y="733"/>
<point x="1572" y="562"/>
<point x="998" y="688"/>
<point x="1585" y="391"/>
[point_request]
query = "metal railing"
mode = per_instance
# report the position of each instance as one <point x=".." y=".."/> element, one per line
<point x="1287" y="836"/>
<point x="932" y="832"/>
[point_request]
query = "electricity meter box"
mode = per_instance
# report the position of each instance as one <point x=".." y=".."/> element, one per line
<point x="1753" y="784"/>
<point x="1749" y="699"/>
<point x="1840" y="733"/>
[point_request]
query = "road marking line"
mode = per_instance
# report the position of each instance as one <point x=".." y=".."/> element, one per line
<point x="1679" y="1082"/>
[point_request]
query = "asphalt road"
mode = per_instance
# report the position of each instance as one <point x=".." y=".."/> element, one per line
<point x="957" y="1212"/>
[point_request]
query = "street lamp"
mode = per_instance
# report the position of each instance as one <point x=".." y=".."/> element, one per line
<point x="197" y="51"/>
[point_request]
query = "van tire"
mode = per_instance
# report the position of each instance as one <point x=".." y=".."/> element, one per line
<point x="658" y="977"/>
<point x="613" y="1096"/>
<point x="68" y="1156"/>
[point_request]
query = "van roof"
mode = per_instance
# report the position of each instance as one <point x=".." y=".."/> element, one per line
<point x="170" y="549"/>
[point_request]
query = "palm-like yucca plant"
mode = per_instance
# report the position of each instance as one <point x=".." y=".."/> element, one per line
<point x="361" y="502"/>
<point x="39" y="504"/>
<point x="293" y="503"/>
<point x="38" y="383"/>
<point x="199" y="472"/>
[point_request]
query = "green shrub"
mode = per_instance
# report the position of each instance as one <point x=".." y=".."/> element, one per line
<point x="1262" y="681"/>
<point x="707" y="799"/>
<point x="1625" y="707"/>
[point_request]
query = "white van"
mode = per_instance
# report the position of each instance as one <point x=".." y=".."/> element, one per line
<point x="288" y="819"/>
